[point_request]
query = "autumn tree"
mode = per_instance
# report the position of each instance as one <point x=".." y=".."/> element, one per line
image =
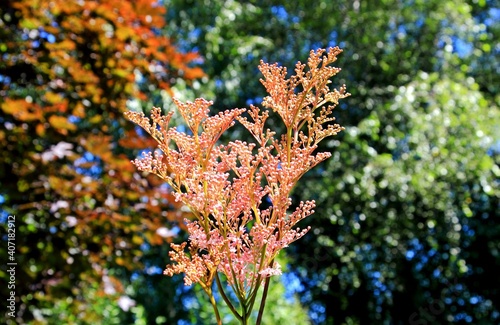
<point x="69" y="69"/>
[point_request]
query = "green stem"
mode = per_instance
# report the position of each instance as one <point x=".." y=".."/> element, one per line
<point x="264" y="297"/>
<point x="214" y="305"/>
<point x="226" y="299"/>
<point x="253" y="294"/>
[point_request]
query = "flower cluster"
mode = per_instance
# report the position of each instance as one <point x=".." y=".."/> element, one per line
<point x="239" y="192"/>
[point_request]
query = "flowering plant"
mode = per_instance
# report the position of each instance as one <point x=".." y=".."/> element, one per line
<point x="233" y="236"/>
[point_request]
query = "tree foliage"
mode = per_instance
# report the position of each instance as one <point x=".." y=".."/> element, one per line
<point x="408" y="207"/>
<point x="408" y="215"/>
<point x="69" y="69"/>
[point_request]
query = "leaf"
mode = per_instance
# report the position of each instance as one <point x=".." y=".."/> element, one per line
<point x="193" y="73"/>
<point x="53" y="98"/>
<point x="12" y="106"/>
<point x="122" y="73"/>
<point x="65" y="45"/>
<point x="40" y="130"/>
<point x="61" y="123"/>
<point x="22" y="110"/>
<point x="137" y="240"/>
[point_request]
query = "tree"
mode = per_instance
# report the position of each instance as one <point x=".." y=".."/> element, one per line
<point x="399" y="224"/>
<point x="69" y="70"/>
<point x="406" y="211"/>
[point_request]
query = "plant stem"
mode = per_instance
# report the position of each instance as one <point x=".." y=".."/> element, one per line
<point x="264" y="297"/>
<point x="226" y="299"/>
<point x="214" y="305"/>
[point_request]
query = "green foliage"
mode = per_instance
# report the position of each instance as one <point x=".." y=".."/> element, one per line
<point x="404" y="207"/>
<point x="408" y="207"/>
<point x="92" y="306"/>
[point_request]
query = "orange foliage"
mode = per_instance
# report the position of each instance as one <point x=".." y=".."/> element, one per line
<point x="70" y="68"/>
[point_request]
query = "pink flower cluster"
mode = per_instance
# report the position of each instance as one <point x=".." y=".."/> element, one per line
<point x="225" y="185"/>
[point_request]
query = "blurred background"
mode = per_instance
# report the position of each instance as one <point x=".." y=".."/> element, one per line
<point x="407" y="226"/>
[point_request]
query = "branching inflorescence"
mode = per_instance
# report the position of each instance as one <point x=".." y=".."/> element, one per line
<point x="232" y="232"/>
